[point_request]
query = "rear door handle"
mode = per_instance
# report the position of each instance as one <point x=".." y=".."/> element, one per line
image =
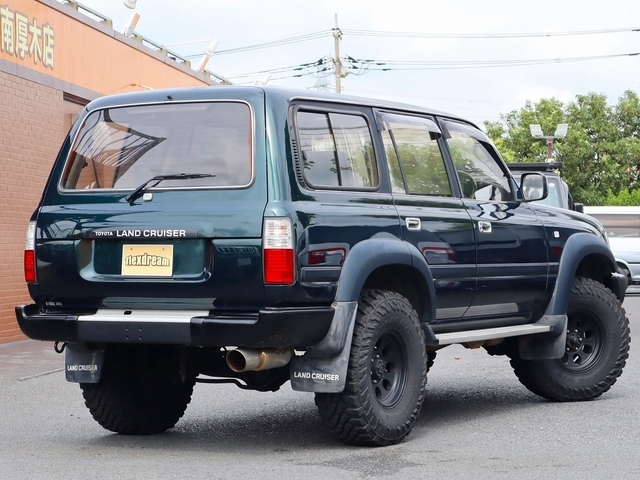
<point x="484" y="227"/>
<point x="413" y="223"/>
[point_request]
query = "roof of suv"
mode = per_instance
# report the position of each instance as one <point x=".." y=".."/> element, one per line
<point x="285" y="93"/>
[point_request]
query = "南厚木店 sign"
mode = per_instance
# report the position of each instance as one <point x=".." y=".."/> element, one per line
<point x="26" y="38"/>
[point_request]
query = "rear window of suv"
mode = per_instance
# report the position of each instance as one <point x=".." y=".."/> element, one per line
<point x="120" y="148"/>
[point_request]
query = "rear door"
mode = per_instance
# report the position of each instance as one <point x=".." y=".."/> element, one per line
<point x="182" y="243"/>
<point x="432" y="218"/>
<point x="341" y="197"/>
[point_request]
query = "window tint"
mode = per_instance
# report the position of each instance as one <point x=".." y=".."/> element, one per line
<point x="476" y="162"/>
<point x="415" y="162"/>
<point x="337" y="150"/>
<point x="123" y="147"/>
<point x="554" y="197"/>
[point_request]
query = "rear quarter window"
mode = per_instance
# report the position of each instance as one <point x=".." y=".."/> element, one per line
<point x="337" y="150"/>
<point x="120" y="148"/>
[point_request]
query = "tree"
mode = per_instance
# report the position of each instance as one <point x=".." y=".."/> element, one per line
<point x="600" y="153"/>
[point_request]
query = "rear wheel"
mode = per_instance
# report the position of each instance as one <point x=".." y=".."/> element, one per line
<point x="143" y="390"/>
<point x="596" y="350"/>
<point x="386" y="377"/>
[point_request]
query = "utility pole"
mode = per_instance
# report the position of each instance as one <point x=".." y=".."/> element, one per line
<point x="337" y="63"/>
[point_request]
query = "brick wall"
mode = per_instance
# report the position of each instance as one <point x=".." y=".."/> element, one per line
<point x="32" y="123"/>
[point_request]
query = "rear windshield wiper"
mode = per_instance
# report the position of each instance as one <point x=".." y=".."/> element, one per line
<point x="159" y="178"/>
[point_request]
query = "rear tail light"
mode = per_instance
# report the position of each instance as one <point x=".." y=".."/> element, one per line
<point x="278" y="251"/>
<point x="30" y="253"/>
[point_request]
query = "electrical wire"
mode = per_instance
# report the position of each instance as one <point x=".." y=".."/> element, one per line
<point x="363" y="66"/>
<point x="382" y="33"/>
<point x="319" y="63"/>
<point x="277" y="43"/>
<point x="387" y="65"/>
<point x="358" y="67"/>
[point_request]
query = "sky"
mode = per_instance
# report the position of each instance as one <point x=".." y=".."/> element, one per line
<point x="460" y="32"/>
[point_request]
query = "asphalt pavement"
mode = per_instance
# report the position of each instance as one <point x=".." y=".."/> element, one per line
<point x="27" y="359"/>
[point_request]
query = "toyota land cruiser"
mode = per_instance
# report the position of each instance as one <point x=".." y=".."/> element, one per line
<point x="259" y="235"/>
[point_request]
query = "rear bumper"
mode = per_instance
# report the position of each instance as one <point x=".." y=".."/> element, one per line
<point x="277" y="327"/>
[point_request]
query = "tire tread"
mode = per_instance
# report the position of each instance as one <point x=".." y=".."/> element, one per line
<point x="349" y="413"/>
<point x="537" y="380"/>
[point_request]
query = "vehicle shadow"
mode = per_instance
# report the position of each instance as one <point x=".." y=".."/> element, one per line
<point x="292" y="422"/>
<point x="444" y="406"/>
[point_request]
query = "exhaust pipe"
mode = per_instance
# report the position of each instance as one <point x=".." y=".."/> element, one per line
<point x="247" y="359"/>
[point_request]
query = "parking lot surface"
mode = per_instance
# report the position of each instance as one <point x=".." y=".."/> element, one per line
<point x="477" y="422"/>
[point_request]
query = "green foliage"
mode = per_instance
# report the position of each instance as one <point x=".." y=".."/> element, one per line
<point x="624" y="198"/>
<point x="601" y="152"/>
<point x="423" y="168"/>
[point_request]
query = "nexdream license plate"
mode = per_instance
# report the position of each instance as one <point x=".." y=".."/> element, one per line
<point x="147" y="260"/>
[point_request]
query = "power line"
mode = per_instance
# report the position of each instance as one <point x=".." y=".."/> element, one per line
<point x="277" y="43"/>
<point x="317" y="64"/>
<point x="382" y="33"/>
<point x="389" y="65"/>
<point x="363" y="66"/>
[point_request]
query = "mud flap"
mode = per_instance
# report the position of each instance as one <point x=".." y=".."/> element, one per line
<point x="549" y="346"/>
<point x="83" y="365"/>
<point x="323" y="368"/>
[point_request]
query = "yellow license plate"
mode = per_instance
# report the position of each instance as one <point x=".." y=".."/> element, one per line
<point x="147" y="260"/>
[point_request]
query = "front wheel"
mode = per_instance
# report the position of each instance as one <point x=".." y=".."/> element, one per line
<point x="596" y="350"/>
<point x="386" y="377"/>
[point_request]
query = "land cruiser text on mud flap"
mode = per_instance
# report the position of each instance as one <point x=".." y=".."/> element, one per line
<point x="255" y="235"/>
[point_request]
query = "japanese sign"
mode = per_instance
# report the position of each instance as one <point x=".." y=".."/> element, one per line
<point x="24" y="38"/>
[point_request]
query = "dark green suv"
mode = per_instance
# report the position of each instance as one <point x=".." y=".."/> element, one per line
<point x="256" y="235"/>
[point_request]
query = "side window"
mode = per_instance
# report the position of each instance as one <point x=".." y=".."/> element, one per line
<point x="337" y="150"/>
<point x="475" y="160"/>
<point x="415" y="162"/>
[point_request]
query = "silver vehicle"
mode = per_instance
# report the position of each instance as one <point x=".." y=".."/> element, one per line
<point x="559" y="194"/>
<point x="623" y="229"/>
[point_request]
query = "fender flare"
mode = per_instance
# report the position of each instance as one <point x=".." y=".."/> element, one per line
<point x="379" y="251"/>
<point x="323" y="367"/>
<point x="577" y="247"/>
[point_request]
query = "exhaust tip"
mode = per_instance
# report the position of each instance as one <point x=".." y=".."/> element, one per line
<point x="246" y="359"/>
<point x="237" y="361"/>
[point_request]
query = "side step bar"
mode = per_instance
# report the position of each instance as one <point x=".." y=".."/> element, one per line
<point x="491" y="333"/>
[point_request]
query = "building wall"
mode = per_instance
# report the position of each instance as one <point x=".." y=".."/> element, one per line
<point x="75" y="59"/>
<point x="32" y="129"/>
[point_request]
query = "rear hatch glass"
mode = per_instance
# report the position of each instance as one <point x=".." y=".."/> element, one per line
<point x="120" y="148"/>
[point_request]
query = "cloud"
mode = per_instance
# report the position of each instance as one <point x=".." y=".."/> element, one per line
<point x="479" y="93"/>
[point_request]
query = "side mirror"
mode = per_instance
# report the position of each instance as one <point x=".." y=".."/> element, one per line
<point x="578" y="207"/>
<point x="534" y="187"/>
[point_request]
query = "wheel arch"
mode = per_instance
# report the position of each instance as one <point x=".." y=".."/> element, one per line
<point x="388" y="263"/>
<point x="585" y="255"/>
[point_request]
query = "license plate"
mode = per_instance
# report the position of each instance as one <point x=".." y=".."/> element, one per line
<point x="147" y="260"/>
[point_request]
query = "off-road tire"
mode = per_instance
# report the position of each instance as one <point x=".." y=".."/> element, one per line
<point x="596" y="351"/>
<point x="143" y="390"/>
<point x="386" y="376"/>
